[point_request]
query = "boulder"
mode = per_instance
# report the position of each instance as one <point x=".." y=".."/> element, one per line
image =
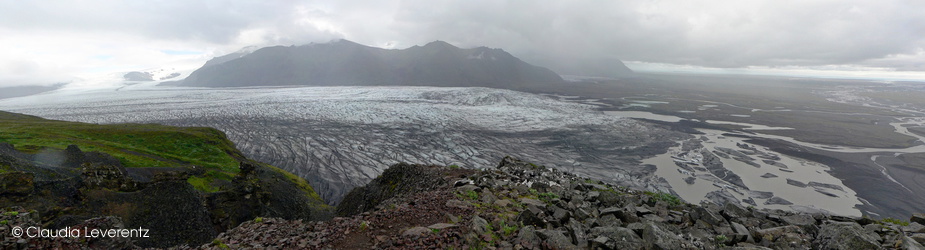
<point x="918" y="218"/>
<point x="560" y="215"/>
<point x="919" y="237"/>
<point x="807" y="222"/>
<point x="608" y="220"/>
<point x="707" y="216"/>
<point x="618" y="237"/>
<point x="913" y="227"/>
<point x="771" y="234"/>
<point x="845" y="235"/>
<point x="457" y="204"/>
<point x="657" y="238"/>
<point x="535" y="202"/>
<point x="577" y="232"/>
<point x="601" y="243"/>
<point x="531" y="216"/>
<point x="740" y="233"/>
<point x="733" y="211"/>
<point x="527" y="238"/>
<point x="911" y="244"/>
<point x="441" y="226"/>
<point x="416" y="231"/>
<point x="555" y="239"/>
<point x="479" y="225"/>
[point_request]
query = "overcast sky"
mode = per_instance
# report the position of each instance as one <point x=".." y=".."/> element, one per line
<point x="55" y="41"/>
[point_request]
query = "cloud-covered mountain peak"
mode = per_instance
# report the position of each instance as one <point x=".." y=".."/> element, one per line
<point x="345" y="63"/>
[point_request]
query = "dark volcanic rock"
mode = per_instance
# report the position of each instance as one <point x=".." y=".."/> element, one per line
<point x="527" y="237"/>
<point x="398" y="180"/>
<point x="654" y="225"/>
<point x="85" y="185"/>
<point x="345" y="63"/>
<point x="173" y="212"/>
<point x="845" y="235"/>
<point x="769" y="175"/>
<point x="721" y="197"/>
<point x="658" y="238"/>
<point x="918" y="218"/>
<point x="16" y="183"/>
<point x="619" y="237"/>
<point x="555" y="239"/>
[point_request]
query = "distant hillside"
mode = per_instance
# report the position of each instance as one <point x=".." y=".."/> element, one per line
<point x="344" y="62"/>
<point x="595" y="67"/>
<point x="10" y="92"/>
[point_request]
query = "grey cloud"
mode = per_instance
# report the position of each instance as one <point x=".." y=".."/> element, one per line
<point x="701" y="33"/>
<point x="211" y="21"/>
<point x="704" y="33"/>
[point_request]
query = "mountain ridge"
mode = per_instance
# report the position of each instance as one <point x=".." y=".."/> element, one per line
<point x="344" y="62"/>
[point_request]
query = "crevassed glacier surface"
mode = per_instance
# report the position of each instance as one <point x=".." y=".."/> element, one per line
<point x="341" y="137"/>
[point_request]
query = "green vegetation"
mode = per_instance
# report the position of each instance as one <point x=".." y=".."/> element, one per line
<point x="258" y="220"/>
<point x="218" y="243"/>
<point x="207" y="150"/>
<point x="435" y="230"/>
<point x="11" y="213"/>
<point x="471" y="194"/>
<point x="4" y="222"/>
<point x="454" y="167"/>
<point x="609" y="190"/>
<point x="894" y="221"/>
<point x="202" y="184"/>
<point x="508" y="230"/>
<point x="135" y="145"/>
<point x="721" y="239"/>
<point x="547" y="197"/>
<point x="666" y="197"/>
<point x="491" y="230"/>
<point x="364" y="225"/>
<point x="517" y="204"/>
<point x="302" y="183"/>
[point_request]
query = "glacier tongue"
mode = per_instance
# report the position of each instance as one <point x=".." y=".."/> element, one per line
<point x="341" y="137"/>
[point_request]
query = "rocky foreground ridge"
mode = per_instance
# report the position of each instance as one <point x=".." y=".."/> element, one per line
<point x="519" y="205"/>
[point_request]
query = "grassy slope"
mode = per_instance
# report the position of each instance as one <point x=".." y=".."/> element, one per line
<point x="137" y="146"/>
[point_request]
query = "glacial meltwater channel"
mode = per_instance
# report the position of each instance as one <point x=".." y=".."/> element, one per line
<point x="764" y="173"/>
